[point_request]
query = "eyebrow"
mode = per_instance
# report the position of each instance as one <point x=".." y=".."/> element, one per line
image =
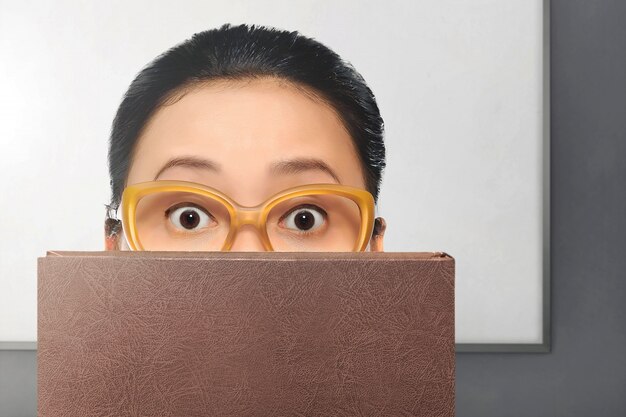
<point x="189" y="162"/>
<point x="289" y="166"/>
<point x="294" y="166"/>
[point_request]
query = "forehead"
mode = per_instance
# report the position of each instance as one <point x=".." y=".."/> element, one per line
<point x="244" y="126"/>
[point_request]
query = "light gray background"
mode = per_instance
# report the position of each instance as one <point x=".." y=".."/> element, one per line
<point x="459" y="84"/>
<point x="585" y="374"/>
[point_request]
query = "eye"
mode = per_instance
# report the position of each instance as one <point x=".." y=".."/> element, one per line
<point x="188" y="216"/>
<point x="305" y="218"/>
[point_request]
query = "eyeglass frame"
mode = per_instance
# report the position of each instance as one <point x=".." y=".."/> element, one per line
<point x="242" y="215"/>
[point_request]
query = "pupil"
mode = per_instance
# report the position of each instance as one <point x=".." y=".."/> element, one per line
<point x="189" y="219"/>
<point x="304" y="220"/>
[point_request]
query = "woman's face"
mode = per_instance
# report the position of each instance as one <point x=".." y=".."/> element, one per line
<point x="246" y="131"/>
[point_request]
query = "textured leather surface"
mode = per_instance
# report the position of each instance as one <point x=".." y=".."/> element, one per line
<point x="241" y="334"/>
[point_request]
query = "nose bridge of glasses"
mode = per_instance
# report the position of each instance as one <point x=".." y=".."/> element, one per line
<point x="248" y="215"/>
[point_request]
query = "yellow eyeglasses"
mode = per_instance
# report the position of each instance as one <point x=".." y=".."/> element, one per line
<point x="185" y="216"/>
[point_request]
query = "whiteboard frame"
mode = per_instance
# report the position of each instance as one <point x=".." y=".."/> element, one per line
<point x="545" y="345"/>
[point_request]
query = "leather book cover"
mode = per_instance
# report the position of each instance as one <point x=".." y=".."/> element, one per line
<point x="246" y="334"/>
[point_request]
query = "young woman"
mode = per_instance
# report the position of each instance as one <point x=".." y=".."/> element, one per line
<point x="246" y="138"/>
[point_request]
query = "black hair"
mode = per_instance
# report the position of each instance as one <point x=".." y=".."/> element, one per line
<point x="239" y="52"/>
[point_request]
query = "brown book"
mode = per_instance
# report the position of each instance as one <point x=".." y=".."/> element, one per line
<point x="246" y="333"/>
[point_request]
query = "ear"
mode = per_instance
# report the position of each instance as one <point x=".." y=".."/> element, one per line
<point x="112" y="229"/>
<point x="376" y="243"/>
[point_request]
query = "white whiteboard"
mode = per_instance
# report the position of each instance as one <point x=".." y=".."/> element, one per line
<point x="460" y="85"/>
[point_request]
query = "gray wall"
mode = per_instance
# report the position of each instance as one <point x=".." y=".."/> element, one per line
<point x="585" y="374"/>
